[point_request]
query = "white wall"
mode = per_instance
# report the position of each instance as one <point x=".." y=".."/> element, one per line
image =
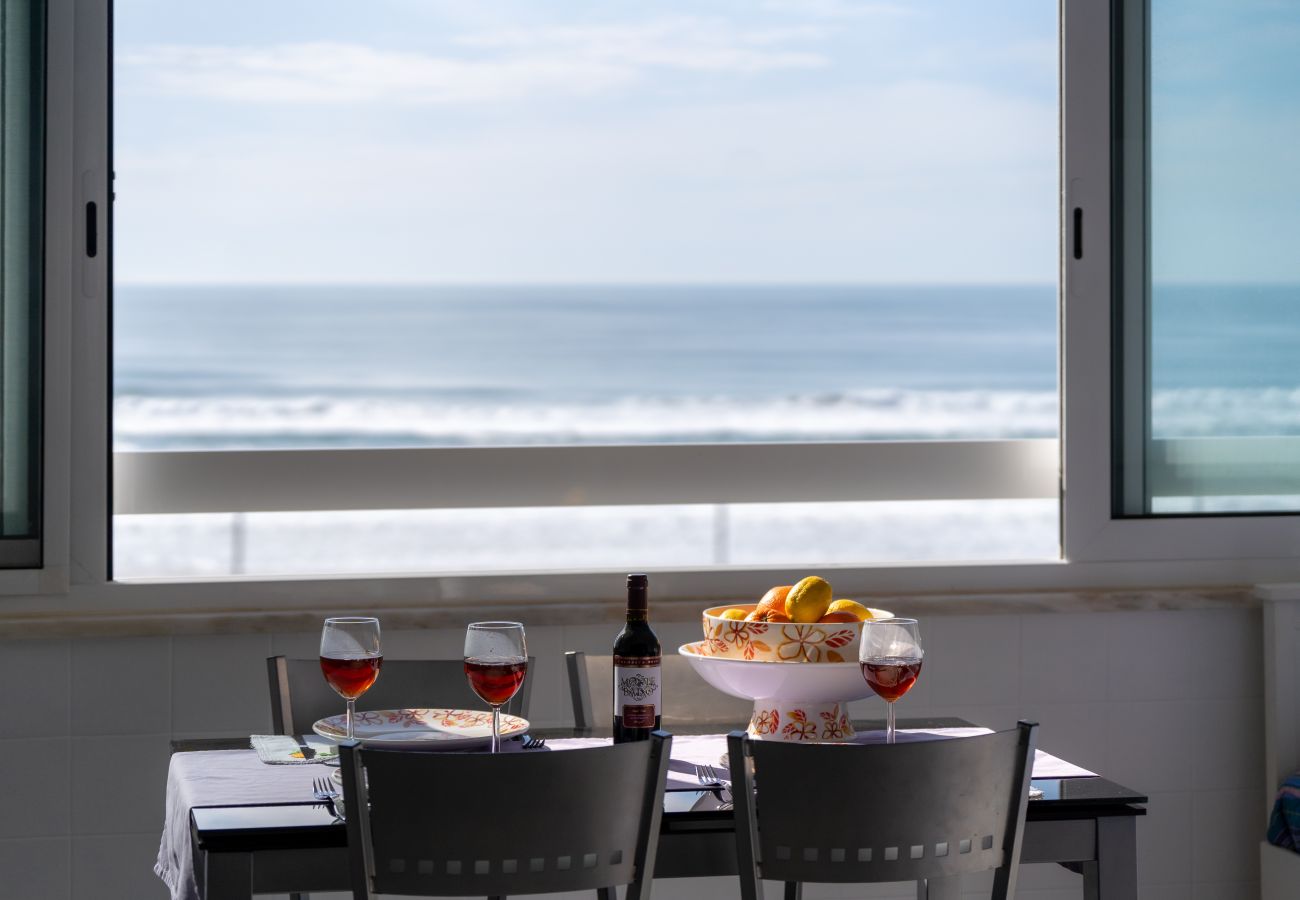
<point x="1169" y="703"/>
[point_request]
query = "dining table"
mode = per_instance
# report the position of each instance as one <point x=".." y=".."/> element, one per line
<point x="237" y="827"/>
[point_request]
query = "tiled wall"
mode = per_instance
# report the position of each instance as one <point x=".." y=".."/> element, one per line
<point x="1169" y="703"/>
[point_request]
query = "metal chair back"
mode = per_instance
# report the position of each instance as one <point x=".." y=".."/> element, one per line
<point x="300" y="696"/>
<point x="914" y="811"/>
<point x="525" y="822"/>
<point x="688" y="699"/>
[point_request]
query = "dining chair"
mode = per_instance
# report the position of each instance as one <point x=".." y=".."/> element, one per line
<point x="482" y="824"/>
<point x="687" y="698"/>
<point x="300" y="696"/>
<point x="923" y="811"/>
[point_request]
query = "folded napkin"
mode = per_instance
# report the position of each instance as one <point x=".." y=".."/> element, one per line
<point x="283" y="750"/>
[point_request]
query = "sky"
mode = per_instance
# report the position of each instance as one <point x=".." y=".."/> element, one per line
<point x="412" y="141"/>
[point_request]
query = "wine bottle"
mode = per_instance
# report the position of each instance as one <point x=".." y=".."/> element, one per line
<point x="637" y="699"/>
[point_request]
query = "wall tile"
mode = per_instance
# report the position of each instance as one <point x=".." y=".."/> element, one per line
<point x="1172" y="655"/>
<point x="219" y="684"/>
<point x="1073" y="731"/>
<point x="997" y="716"/>
<point x="116" y="867"/>
<point x="1164" y="838"/>
<point x="1241" y="890"/>
<point x="1153" y="744"/>
<point x="36" y="868"/>
<point x="121" y="685"/>
<point x="1063" y="658"/>
<point x="34" y="787"/>
<point x="972" y="660"/>
<point x="1230" y="749"/>
<point x="1227" y="651"/>
<point x="119" y="784"/>
<point x="43" y="707"/>
<point x="1226" y="830"/>
<point x="297" y="645"/>
<point x="1149" y="656"/>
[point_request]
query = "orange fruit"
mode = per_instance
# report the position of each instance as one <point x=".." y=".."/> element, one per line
<point x="774" y="599"/>
<point x="772" y="615"/>
<point x="839" y="616"/>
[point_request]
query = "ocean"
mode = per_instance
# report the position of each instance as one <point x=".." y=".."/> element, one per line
<point x="223" y="367"/>
<point x="373" y="366"/>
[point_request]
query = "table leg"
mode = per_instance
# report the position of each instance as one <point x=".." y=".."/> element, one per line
<point x="229" y="876"/>
<point x="1113" y="874"/>
<point x="794" y="890"/>
<point x="939" y="888"/>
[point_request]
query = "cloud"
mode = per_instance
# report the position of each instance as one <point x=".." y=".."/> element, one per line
<point x="501" y="65"/>
<point x="838" y="9"/>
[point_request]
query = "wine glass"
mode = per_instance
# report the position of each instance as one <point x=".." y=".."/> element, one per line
<point x="496" y="661"/>
<point x="891" y="657"/>
<point x="350" y="658"/>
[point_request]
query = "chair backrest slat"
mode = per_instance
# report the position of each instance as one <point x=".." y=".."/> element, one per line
<point x="300" y="697"/>
<point x="902" y="812"/>
<point x="515" y="823"/>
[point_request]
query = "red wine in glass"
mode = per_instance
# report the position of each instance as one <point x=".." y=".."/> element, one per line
<point x="891" y="677"/>
<point x="495" y="680"/>
<point x="496" y="661"/>
<point x="351" y="678"/>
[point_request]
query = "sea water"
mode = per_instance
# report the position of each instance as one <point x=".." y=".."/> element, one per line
<point x="221" y="367"/>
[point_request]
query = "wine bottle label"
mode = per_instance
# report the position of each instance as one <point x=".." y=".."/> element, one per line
<point x="636" y="690"/>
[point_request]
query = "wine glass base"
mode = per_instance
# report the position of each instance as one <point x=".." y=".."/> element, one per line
<point x="800" y="721"/>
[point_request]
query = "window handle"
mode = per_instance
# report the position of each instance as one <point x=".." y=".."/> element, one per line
<point x="92" y="230"/>
<point x="1078" y="232"/>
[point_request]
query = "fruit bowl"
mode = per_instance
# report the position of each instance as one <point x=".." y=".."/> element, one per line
<point x="814" y="642"/>
<point x="792" y="701"/>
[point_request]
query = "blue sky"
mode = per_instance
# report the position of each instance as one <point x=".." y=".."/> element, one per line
<point x="430" y="140"/>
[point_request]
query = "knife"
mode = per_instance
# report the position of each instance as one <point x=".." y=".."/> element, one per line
<point x="307" y="751"/>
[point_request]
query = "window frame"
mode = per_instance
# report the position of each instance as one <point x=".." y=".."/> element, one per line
<point x="1099" y="550"/>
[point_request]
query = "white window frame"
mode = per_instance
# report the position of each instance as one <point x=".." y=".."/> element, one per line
<point x="1099" y="551"/>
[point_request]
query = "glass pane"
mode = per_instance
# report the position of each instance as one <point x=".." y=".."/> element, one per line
<point x="1224" y="277"/>
<point x="22" y="148"/>
<point x="558" y="538"/>
<point x="577" y="222"/>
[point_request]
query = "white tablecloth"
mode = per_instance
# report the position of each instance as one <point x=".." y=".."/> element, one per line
<point x="238" y="777"/>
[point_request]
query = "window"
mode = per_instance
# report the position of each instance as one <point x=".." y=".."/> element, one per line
<point x="1215" y="301"/>
<point x="1111" y="525"/>
<point x="694" y="237"/>
<point x="22" y="148"/>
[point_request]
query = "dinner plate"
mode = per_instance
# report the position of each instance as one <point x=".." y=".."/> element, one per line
<point x="428" y="729"/>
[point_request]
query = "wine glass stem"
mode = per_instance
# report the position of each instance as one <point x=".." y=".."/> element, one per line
<point x="496" y="728"/>
<point x="889" y="728"/>
<point x="352" y="706"/>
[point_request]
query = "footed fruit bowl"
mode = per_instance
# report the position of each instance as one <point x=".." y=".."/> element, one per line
<point x="793" y="701"/>
<point x="812" y="642"/>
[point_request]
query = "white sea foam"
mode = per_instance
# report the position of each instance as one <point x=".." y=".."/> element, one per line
<point x="877" y="414"/>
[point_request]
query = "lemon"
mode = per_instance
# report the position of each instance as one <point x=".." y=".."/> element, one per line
<point x="808" y="600"/>
<point x="733" y="613"/>
<point x="851" y="606"/>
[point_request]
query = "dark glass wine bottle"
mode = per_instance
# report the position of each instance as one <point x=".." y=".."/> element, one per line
<point x="637" y="699"/>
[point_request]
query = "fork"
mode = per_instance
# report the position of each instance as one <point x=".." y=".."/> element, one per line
<point x="711" y="778"/>
<point x="323" y="789"/>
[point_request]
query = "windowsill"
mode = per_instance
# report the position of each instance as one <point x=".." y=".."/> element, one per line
<point x="299" y="612"/>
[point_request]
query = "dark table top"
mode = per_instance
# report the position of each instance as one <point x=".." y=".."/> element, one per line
<point x="304" y="825"/>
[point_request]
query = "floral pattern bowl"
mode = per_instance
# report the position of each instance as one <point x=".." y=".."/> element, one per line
<point x="816" y="642"/>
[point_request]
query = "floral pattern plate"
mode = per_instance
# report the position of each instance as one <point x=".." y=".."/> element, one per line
<point x="430" y="729"/>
